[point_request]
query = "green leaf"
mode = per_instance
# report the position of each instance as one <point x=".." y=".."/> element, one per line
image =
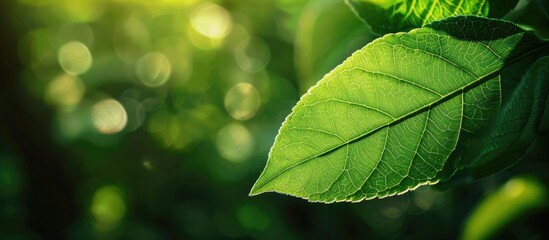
<point x="518" y="197"/>
<point x="393" y="116"/>
<point x="514" y="128"/>
<point x="327" y="33"/>
<point x="402" y="15"/>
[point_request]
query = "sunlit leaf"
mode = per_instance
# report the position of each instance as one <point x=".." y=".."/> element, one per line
<point x="397" y="113"/>
<point x="388" y="16"/>
<point x="516" y="198"/>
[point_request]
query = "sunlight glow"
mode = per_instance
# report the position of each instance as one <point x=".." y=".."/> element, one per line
<point x="235" y="142"/>
<point x="211" y="20"/>
<point x="109" y="116"/>
<point x="242" y="101"/>
<point x="65" y="91"/>
<point x="75" y="58"/>
<point x="153" y="69"/>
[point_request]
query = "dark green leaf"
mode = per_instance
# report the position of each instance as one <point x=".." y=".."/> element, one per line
<point x="402" y="15"/>
<point x="514" y="128"/>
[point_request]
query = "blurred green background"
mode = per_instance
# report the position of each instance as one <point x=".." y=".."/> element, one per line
<point x="139" y="119"/>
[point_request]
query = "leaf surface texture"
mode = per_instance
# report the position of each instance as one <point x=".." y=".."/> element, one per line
<point x="392" y="115"/>
<point x="390" y="16"/>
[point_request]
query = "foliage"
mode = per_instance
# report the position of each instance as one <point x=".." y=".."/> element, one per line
<point x="378" y="125"/>
<point x="139" y="119"/>
<point x="402" y="15"/>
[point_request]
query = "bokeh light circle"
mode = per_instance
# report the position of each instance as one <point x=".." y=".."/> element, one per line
<point x="109" y="116"/>
<point x="242" y="101"/>
<point x="108" y="207"/>
<point x="235" y="142"/>
<point x="65" y="91"/>
<point x="212" y="21"/>
<point x="153" y="69"/>
<point x="252" y="55"/>
<point x="75" y="58"/>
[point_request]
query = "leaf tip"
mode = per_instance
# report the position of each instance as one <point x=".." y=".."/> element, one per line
<point x="256" y="190"/>
<point x="253" y="192"/>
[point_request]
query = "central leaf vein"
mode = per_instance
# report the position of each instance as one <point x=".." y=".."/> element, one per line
<point x="477" y="81"/>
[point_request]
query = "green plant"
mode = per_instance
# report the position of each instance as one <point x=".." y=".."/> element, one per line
<point x="462" y="93"/>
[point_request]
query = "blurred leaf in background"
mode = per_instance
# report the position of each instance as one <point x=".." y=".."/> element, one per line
<point x="519" y="196"/>
<point x="327" y="33"/>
